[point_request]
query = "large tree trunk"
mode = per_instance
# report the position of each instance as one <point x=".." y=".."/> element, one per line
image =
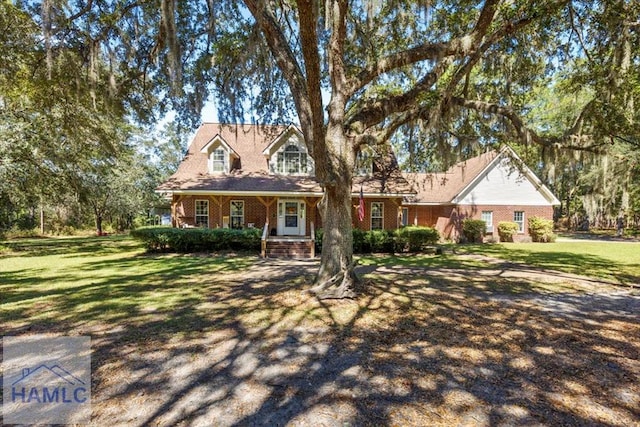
<point x="334" y="167"/>
<point x="336" y="278"/>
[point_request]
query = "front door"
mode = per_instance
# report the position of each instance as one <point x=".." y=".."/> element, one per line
<point x="291" y="218"/>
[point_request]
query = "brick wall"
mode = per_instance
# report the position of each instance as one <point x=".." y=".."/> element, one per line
<point x="390" y="217"/>
<point x="255" y="210"/>
<point x="448" y="219"/>
<point x="505" y="213"/>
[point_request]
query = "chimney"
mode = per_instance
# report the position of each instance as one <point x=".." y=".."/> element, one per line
<point x="25" y="372"/>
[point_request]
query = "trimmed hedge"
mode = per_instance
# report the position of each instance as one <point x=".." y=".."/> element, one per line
<point x="506" y="230"/>
<point x="473" y="230"/>
<point x="161" y="239"/>
<point x="412" y="239"/>
<point x="415" y="239"/>
<point x="541" y="230"/>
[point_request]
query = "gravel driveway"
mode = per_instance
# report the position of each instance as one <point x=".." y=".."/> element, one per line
<point x="478" y="347"/>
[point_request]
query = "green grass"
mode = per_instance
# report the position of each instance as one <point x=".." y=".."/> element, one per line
<point x="83" y="281"/>
<point x="608" y="260"/>
<point x="71" y="282"/>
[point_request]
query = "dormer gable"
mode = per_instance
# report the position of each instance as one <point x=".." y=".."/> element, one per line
<point x="287" y="154"/>
<point x="365" y="161"/>
<point x="220" y="155"/>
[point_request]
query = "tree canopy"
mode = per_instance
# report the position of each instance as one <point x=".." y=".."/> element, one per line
<point x="444" y="77"/>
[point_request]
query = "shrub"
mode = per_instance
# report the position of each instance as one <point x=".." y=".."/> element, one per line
<point x="415" y="239"/>
<point x="159" y="239"/>
<point x="506" y="230"/>
<point x="361" y="245"/>
<point x="380" y="241"/>
<point x="541" y="230"/>
<point x="473" y="230"/>
<point x="319" y="236"/>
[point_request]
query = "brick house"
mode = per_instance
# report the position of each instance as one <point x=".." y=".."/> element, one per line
<point x="258" y="176"/>
<point x="495" y="186"/>
<point x="240" y="176"/>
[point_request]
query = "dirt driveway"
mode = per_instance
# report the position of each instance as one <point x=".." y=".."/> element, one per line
<point x="467" y="346"/>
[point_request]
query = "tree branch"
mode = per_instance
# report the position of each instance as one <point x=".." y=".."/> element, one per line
<point x="308" y="17"/>
<point x="571" y="139"/>
<point x="457" y="46"/>
<point x="286" y="60"/>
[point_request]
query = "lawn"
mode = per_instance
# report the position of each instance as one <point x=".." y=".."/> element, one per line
<point x="615" y="261"/>
<point x="433" y="340"/>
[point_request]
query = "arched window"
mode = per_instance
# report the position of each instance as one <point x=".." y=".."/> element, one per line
<point x="292" y="161"/>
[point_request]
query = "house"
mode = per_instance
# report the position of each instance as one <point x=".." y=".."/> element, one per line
<point x="239" y="176"/>
<point x="495" y="186"/>
<point x="245" y="176"/>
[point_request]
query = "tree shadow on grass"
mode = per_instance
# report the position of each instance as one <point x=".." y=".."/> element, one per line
<point x="237" y="342"/>
<point x="72" y="246"/>
<point x="570" y="262"/>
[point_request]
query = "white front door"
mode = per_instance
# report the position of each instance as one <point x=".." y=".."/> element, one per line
<point x="291" y="217"/>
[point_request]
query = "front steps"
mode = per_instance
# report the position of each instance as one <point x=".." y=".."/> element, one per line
<point x="289" y="247"/>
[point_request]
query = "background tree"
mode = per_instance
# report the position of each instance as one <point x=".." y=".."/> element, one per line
<point x="357" y="73"/>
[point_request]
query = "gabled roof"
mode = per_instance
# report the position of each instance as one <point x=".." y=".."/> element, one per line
<point x="250" y="143"/>
<point x="450" y="187"/>
<point x="220" y="141"/>
<point x="443" y="187"/>
<point x="280" y="138"/>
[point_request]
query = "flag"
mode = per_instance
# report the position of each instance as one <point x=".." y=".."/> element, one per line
<point x="361" y="206"/>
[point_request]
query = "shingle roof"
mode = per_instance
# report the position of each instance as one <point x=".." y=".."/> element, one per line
<point x="442" y="188"/>
<point x="249" y="142"/>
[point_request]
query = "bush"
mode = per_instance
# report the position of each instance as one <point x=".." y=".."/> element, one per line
<point x="415" y="239"/>
<point x="319" y="236"/>
<point x="160" y="239"/>
<point x="364" y="242"/>
<point x="361" y="245"/>
<point x="506" y="230"/>
<point x="380" y="241"/>
<point x="541" y="230"/>
<point x="473" y="230"/>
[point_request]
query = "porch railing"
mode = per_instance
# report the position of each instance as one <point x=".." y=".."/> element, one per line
<point x="313" y="240"/>
<point x="263" y="245"/>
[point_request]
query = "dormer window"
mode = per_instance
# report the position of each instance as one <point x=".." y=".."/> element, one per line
<point x="287" y="154"/>
<point x="217" y="161"/>
<point x="364" y="162"/>
<point x="292" y="161"/>
<point x="220" y="156"/>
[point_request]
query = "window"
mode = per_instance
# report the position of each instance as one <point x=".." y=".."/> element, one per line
<point x="518" y="218"/>
<point x="405" y="217"/>
<point x="237" y="213"/>
<point x="217" y="160"/>
<point x="292" y="161"/>
<point x="487" y="217"/>
<point x="377" y="215"/>
<point x="202" y="213"/>
<point x="364" y="163"/>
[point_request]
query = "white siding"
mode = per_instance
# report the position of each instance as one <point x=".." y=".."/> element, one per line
<point x="503" y="185"/>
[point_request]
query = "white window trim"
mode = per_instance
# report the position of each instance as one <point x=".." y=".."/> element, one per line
<point x="489" y="223"/>
<point x="404" y="219"/>
<point x="364" y="162"/>
<point x="195" y="211"/>
<point x="371" y="217"/>
<point x="305" y="168"/>
<point x="225" y="160"/>
<point x="520" y="224"/>
<point x="232" y="216"/>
